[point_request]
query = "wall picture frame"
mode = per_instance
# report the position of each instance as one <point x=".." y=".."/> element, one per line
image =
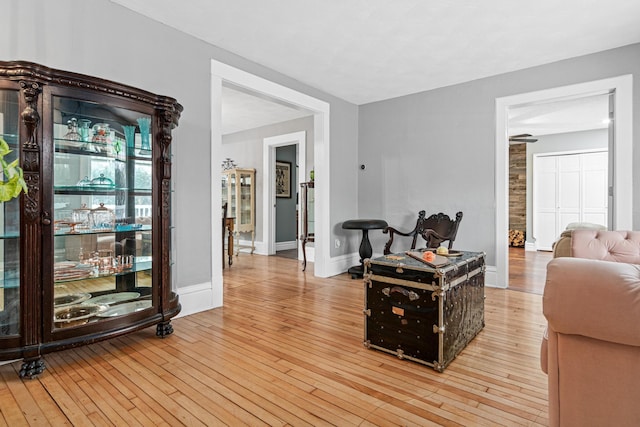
<point x="283" y="179"/>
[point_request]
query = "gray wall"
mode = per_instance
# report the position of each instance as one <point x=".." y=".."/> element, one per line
<point x="561" y="142"/>
<point x="103" y="39"/>
<point x="286" y="207"/>
<point x="435" y="150"/>
<point x="246" y="149"/>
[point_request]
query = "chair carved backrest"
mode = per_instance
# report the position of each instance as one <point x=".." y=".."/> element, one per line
<point x="435" y="229"/>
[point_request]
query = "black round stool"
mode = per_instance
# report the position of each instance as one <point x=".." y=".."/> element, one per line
<point x="365" y="246"/>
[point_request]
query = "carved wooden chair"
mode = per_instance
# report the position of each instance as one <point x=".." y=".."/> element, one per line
<point x="435" y="229"/>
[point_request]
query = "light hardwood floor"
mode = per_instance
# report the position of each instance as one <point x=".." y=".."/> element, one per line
<point x="528" y="270"/>
<point x="286" y="349"/>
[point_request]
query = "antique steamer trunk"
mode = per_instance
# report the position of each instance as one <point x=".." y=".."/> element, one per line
<point x="421" y="313"/>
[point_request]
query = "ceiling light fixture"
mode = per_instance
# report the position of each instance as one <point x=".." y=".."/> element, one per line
<point x="228" y="164"/>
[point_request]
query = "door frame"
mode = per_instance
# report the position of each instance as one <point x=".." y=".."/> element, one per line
<point x="299" y="139"/>
<point x="321" y="152"/>
<point x="622" y="157"/>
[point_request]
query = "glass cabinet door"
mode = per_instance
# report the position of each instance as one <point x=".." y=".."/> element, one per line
<point x="238" y="192"/>
<point x="311" y="200"/>
<point x="225" y="191"/>
<point x="102" y="210"/>
<point x="307" y="203"/>
<point x="246" y="201"/>
<point x="232" y="194"/>
<point x="307" y="227"/>
<point x="10" y="223"/>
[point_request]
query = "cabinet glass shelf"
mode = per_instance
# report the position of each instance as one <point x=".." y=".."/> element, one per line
<point x="9" y="283"/>
<point x="98" y="189"/>
<point x="73" y="147"/>
<point x="119" y="228"/>
<point x="142" y="263"/>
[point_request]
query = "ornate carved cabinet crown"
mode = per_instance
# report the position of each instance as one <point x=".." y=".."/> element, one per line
<point x="85" y="250"/>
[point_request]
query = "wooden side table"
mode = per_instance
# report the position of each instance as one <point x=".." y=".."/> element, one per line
<point x="227" y="231"/>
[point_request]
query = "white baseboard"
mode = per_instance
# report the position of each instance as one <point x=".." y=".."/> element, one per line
<point x="342" y="263"/>
<point x="197" y="298"/>
<point x="260" y="247"/>
<point x="491" y="277"/>
<point x="530" y="246"/>
<point x="285" y="246"/>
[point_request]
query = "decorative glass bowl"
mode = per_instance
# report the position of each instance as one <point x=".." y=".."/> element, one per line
<point x="102" y="218"/>
<point x="102" y="182"/>
<point x="75" y="315"/>
<point x="70" y="299"/>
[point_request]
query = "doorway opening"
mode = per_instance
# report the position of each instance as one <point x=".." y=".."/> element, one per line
<point x="621" y="160"/>
<point x="221" y="72"/>
<point x="299" y="140"/>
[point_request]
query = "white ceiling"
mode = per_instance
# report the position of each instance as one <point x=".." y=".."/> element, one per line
<point x="560" y="116"/>
<point x="369" y="50"/>
<point x="243" y="110"/>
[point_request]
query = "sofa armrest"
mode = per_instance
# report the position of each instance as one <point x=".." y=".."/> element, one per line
<point x="597" y="299"/>
<point x="562" y="246"/>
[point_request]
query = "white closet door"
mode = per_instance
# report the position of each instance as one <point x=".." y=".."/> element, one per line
<point x="594" y="178"/>
<point x="545" y="199"/>
<point x="568" y="188"/>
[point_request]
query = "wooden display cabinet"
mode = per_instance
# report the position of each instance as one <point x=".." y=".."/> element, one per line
<point x="239" y="192"/>
<point x="307" y="232"/>
<point x="85" y="253"/>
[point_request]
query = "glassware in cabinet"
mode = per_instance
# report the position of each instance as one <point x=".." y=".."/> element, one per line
<point x="102" y="210"/>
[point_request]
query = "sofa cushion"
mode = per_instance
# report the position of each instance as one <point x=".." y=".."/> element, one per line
<point x="617" y="246"/>
<point x="585" y="225"/>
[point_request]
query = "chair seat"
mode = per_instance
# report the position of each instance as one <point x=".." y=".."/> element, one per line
<point x="364" y="224"/>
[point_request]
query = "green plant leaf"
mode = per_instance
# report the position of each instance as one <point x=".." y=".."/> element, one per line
<point x="8" y="190"/>
<point x="11" y="167"/>
<point x="13" y="182"/>
<point x="4" y="148"/>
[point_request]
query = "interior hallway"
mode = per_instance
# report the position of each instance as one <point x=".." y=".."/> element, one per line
<point x="528" y="270"/>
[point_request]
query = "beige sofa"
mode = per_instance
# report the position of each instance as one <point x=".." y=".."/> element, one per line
<point x="591" y="351"/>
<point x="562" y="246"/>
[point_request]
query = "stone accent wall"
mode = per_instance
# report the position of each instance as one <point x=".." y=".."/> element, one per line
<point x="517" y="191"/>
